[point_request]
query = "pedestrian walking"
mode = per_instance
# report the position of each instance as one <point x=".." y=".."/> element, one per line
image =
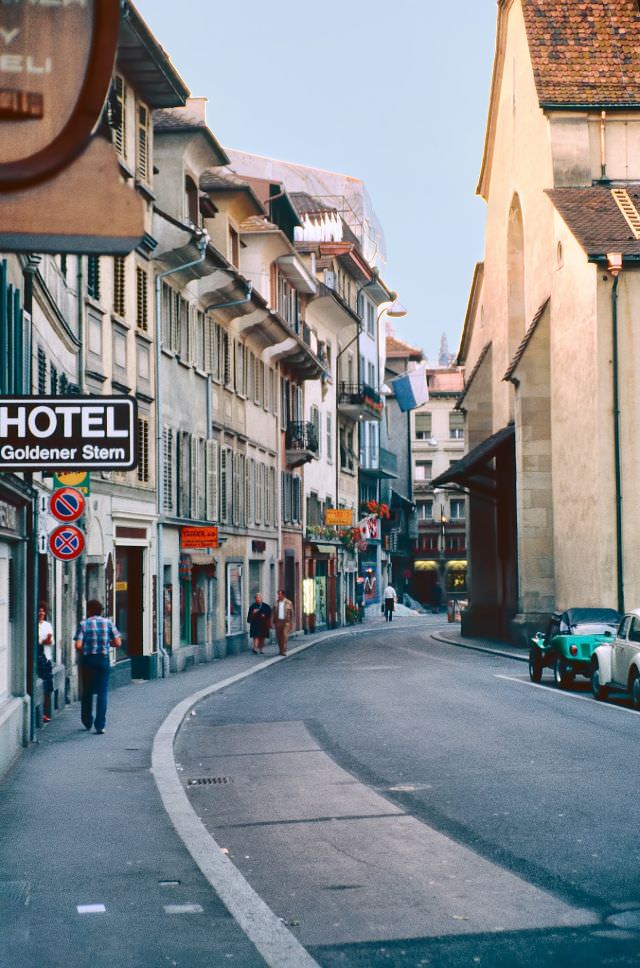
<point x="45" y="660"/>
<point x="259" y="619"/>
<point x="436" y="598"/>
<point x="283" y="621"/>
<point x="390" y="599"/>
<point x="94" y="637"/>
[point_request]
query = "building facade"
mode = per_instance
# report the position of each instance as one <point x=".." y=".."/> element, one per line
<point x="548" y="344"/>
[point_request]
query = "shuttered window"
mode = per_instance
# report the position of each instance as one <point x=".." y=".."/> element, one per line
<point x="142" y="299"/>
<point x="93" y="276"/>
<point x="213" y="501"/>
<point x="259" y="510"/>
<point x="168" y="493"/>
<point x="143" y="167"/>
<point x="143" y="450"/>
<point x="119" y="285"/>
<point x="250" y="472"/>
<point x="119" y="121"/>
<point x="225" y="484"/>
<point x="423" y="426"/>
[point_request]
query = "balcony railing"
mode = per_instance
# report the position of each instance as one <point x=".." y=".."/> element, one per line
<point x="379" y="462"/>
<point x="360" y="400"/>
<point x="301" y="442"/>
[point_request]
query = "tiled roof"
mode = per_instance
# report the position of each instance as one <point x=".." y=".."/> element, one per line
<point x="258" y="223"/>
<point x="584" y="53"/>
<point x="166" y="119"/>
<point x="526" y="339"/>
<point x="596" y="220"/>
<point x="445" y="381"/>
<point x="309" y="204"/>
<point x="396" y="349"/>
<point x="212" y="179"/>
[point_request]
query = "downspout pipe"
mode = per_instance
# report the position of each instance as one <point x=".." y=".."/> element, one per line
<point x="202" y="243"/>
<point x="616" y="441"/>
<point x="234" y="302"/>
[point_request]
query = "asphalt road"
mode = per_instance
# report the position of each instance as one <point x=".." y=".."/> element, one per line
<point x="398" y="801"/>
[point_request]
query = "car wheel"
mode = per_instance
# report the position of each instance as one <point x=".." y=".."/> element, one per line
<point x="562" y="673"/>
<point x="635" y="690"/>
<point x="599" y="691"/>
<point x="535" y="665"/>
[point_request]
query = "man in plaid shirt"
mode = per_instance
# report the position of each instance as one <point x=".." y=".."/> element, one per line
<point x="93" y="639"/>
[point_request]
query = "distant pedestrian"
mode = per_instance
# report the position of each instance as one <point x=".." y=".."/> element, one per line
<point x="45" y="660"/>
<point x="436" y="598"/>
<point x="390" y="599"/>
<point x="94" y="637"/>
<point x="259" y="619"/>
<point x="283" y="621"/>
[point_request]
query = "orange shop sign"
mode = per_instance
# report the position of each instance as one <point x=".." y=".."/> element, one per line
<point x="339" y="516"/>
<point x="205" y="537"/>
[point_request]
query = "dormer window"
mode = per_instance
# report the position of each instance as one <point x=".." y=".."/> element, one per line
<point x="192" y="196"/>
<point x="234" y="247"/>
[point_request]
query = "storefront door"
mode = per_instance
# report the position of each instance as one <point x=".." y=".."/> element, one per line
<point x="129" y="600"/>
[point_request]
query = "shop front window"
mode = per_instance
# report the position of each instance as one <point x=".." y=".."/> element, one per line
<point x="234" y="611"/>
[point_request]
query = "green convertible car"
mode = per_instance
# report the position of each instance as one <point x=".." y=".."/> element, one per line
<point x="569" y="642"/>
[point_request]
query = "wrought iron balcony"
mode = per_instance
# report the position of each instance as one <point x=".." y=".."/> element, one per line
<point x="359" y="400"/>
<point x="301" y="442"/>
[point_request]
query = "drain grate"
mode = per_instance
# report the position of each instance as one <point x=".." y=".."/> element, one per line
<point x="19" y="891"/>
<point x="208" y="780"/>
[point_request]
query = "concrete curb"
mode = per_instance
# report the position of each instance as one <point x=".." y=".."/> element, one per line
<point x="490" y="650"/>
<point x="277" y="945"/>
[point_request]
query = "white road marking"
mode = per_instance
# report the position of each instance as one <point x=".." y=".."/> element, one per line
<point x="91" y="909"/>
<point x="183" y="909"/>
<point x="569" y="695"/>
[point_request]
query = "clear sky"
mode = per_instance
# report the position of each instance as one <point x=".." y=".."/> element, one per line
<point x="392" y="91"/>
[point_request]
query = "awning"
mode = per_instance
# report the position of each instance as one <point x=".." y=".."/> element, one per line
<point x="476" y="470"/>
<point x="400" y="501"/>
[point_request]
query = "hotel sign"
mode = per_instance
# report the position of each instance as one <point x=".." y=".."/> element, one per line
<point x="43" y="433"/>
<point x="56" y="64"/>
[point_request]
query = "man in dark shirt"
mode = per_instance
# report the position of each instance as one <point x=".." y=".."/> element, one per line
<point x="94" y="638"/>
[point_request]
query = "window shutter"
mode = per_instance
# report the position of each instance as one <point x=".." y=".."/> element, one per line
<point x="225" y="484"/>
<point x="195" y="477"/>
<point x="142" y="146"/>
<point x="212" y="455"/>
<point x="142" y="299"/>
<point x="184" y="499"/>
<point x="119" y="285"/>
<point x="250" y="488"/>
<point x="120" y="120"/>
<point x="167" y="485"/>
<point x="143" y="450"/>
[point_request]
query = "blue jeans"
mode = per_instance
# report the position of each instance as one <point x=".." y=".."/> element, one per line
<point x="94" y="671"/>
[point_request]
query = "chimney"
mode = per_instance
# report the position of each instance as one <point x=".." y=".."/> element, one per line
<point x="197" y="106"/>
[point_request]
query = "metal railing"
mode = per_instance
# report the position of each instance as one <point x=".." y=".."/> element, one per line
<point x="301" y="436"/>
<point x="359" y="394"/>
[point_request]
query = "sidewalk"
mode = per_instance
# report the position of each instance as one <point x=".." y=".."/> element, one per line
<point x="453" y="636"/>
<point x="90" y="865"/>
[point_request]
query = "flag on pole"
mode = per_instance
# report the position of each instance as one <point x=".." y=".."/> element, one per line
<point x="410" y="389"/>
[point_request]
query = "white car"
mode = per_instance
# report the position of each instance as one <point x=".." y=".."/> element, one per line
<point x="615" y="666"/>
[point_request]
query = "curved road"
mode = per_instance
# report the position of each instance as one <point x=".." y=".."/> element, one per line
<point x="392" y="797"/>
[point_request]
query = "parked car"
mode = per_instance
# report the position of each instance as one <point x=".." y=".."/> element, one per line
<point x="569" y="643"/>
<point x="616" y="665"/>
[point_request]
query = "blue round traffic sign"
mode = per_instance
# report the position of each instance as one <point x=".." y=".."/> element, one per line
<point x="66" y="542"/>
<point x="67" y="504"/>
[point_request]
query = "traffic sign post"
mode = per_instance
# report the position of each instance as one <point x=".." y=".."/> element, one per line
<point x="66" y="542"/>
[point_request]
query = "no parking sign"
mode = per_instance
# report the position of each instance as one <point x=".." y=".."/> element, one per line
<point x="66" y="542"/>
<point x="66" y="504"/>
